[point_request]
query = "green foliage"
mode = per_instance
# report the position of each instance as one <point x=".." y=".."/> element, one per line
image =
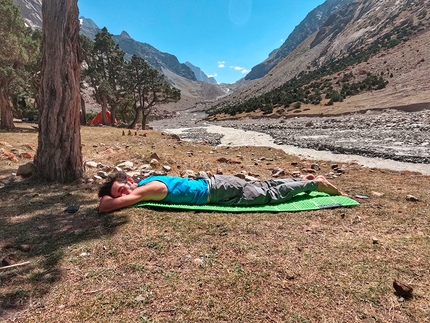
<point x="19" y="59"/>
<point x="131" y="88"/>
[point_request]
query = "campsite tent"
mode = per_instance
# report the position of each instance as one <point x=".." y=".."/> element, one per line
<point x="98" y="119"/>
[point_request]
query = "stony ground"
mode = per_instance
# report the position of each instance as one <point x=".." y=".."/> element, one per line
<point x="392" y="134"/>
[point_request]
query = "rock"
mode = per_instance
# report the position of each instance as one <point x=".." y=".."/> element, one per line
<point x="277" y="172"/>
<point x="189" y="173"/>
<point x="402" y="289"/>
<point x="198" y="262"/>
<point x="167" y="168"/>
<point x="175" y="136"/>
<point x="222" y="160"/>
<point x="126" y="166"/>
<point x="145" y="167"/>
<point x="102" y="174"/>
<point x="26" y="170"/>
<point x="5" y="144"/>
<point x="202" y="174"/>
<point x="27" y="155"/>
<point x="91" y="164"/>
<point x="154" y="156"/>
<point x="10" y="259"/>
<point x="296" y="174"/>
<point x="377" y="194"/>
<point x="154" y="162"/>
<point x="411" y="198"/>
<point x="240" y="175"/>
<point x="315" y="166"/>
<point x="10" y="156"/>
<point x="362" y="197"/>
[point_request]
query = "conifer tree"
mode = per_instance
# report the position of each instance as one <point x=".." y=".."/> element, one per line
<point x="16" y="50"/>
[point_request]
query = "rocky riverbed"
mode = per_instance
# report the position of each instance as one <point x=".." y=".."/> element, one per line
<point x="391" y="135"/>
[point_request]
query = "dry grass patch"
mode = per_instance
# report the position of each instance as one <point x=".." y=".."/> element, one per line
<point x="148" y="265"/>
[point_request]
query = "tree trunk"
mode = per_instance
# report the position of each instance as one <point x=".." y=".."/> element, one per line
<point x="59" y="153"/>
<point x="112" y="114"/>
<point x="144" y="119"/>
<point x="6" y="111"/>
<point x="104" y="109"/>
<point x="136" y="117"/>
<point x="83" y="112"/>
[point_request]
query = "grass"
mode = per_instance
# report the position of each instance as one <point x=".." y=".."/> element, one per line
<point x="147" y="265"/>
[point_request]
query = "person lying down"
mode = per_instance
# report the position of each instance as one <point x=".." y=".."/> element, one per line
<point x="120" y="190"/>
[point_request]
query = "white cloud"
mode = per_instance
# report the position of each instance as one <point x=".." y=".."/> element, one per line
<point x="213" y="75"/>
<point x="238" y="68"/>
<point x="221" y="64"/>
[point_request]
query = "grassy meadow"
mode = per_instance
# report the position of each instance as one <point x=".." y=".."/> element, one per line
<point x="149" y="265"/>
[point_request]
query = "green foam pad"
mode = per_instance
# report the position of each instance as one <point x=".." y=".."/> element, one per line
<point x="301" y="202"/>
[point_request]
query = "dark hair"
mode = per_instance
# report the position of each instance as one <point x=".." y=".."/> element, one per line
<point x="106" y="188"/>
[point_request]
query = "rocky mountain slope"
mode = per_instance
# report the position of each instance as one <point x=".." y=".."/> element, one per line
<point x="311" y="24"/>
<point x="402" y="25"/>
<point x="200" y="75"/>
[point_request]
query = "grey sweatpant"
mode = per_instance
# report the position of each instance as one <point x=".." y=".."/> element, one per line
<point x="231" y="190"/>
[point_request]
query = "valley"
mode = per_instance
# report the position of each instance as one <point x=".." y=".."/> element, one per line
<point x="390" y="139"/>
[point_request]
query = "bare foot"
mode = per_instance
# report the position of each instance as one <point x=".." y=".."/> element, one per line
<point x="325" y="186"/>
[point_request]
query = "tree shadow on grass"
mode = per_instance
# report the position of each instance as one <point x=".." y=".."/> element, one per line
<point x="35" y="227"/>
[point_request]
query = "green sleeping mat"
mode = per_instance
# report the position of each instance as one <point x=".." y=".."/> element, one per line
<point x="301" y="202"/>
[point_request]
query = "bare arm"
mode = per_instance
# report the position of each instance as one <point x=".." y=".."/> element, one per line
<point x="153" y="191"/>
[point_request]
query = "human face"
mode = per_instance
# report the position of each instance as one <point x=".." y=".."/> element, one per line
<point x="120" y="189"/>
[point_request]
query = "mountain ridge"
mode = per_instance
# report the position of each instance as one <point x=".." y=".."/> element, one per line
<point x="309" y="25"/>
<point x="397" y="32"/>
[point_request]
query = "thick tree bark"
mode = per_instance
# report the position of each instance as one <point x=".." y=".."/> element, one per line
<point x="59" y="153"/>
<point x="6" y="114"/>
<point x="83" y="112"/>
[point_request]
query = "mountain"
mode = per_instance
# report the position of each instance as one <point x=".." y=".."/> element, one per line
<point x="153" y="56"/>
<point x="311" y="24"/>
<point x="31" y="12"/>
<point x="200" y="75"/>
<point x="178" y="74"/>
<point x="150" y="54"/>
<point x="386" y="38"/>
<point x="88" y="27"/>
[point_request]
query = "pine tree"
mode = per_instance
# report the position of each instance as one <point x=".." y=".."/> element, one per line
<point x="15" y="52"/>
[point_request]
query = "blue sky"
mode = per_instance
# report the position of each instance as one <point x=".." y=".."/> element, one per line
<point x="225" y="38"/>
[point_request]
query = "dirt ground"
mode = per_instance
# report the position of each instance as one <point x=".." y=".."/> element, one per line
<point x="150" y="265"/>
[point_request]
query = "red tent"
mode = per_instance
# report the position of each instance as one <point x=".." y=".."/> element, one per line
<point x="98" y="118"/>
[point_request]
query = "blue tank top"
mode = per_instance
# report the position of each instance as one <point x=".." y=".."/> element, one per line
<point x="182" y="190"/>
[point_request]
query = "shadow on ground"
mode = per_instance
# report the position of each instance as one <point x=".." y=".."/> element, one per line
<point x="34" y="227"/>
